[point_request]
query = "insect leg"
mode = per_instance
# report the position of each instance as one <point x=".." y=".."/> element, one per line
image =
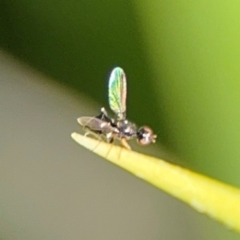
<point x="125" y="144"/>
<point x="90" y="133"/>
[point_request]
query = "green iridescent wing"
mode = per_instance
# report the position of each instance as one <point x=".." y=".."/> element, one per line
<point x="117" y="92"/>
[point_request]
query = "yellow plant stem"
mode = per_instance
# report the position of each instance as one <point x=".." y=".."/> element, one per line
<point x="218" y="200"/>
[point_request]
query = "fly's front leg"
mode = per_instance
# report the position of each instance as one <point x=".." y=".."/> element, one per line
<point x="125" y="144"/>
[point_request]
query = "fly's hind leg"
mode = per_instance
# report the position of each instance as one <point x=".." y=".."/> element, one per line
<point x="90" y="133"/>
<point x="96" y="136"/>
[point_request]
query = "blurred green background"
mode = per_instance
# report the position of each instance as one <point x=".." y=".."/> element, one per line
<point x="181" y="59"/>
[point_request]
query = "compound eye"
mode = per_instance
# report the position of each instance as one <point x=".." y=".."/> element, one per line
<point x="145" y="136"/>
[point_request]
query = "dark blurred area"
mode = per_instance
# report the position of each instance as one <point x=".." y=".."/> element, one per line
<point x="78" y="43"/>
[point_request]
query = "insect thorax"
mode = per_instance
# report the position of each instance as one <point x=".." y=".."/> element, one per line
<point x="127" y="129"/>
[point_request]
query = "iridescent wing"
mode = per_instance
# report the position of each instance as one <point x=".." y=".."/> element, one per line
<point x="117" y="92"/>
<point x="96" y="125"/>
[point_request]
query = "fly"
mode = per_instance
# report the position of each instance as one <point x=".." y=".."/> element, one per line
<point x="118" y="127"/>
